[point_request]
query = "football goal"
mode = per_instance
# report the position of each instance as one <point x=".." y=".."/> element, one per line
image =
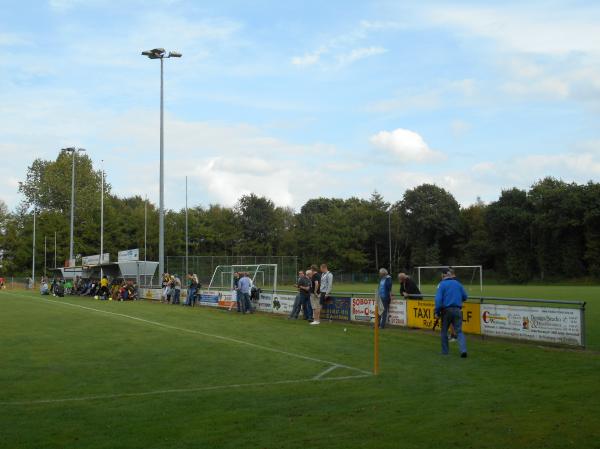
<point x="469" y="275"/>
<point x="263" y="276"/>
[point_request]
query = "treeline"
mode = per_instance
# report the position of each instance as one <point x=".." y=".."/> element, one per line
<point x="550" y="232"/>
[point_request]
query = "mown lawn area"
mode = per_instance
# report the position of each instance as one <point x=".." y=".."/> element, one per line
<point x="80" y="373"/>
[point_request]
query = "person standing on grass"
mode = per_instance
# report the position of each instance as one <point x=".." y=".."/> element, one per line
<point x="297" y="301"/>
<point x="238" y="296"/>
<point x="243" y="292"/>
<point x="385" y="295"/>
<point x="103" y="292"/>
<point x="315" y="290"/>
<point x="408" y="287"/>
<point x="192" y="288"/>
<point x="326" y="285"/>
<point x="449" y="300"/>
<point x="176" y="289"/>
<point x="304" y="286"/>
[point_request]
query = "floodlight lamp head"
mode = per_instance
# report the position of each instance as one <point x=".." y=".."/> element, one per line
<point x="158" y="51"/>
<point x="174" y="54"/>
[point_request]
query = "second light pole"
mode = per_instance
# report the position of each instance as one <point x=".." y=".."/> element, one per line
<point x="72" y="150"/>
<point x="160" y="53"/>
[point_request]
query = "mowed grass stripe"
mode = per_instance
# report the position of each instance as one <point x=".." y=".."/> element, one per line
<point x="204" y="334"/>
<point x="73" y="352"/>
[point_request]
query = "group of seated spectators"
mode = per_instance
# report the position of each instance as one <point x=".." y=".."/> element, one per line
<point x="115" y="290"/>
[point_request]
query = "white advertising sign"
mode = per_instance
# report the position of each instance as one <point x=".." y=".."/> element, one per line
<point x="95" y="259"/>
<point x="282" y="304"/>
<point x="548" y="324"/>
<point x="397" y="315"/>
<point x="129" y="255"/>
<point x="363" y="310"/>
<point x="265" y="303"/>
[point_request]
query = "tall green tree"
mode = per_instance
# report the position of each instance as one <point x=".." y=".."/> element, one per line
<point x="510" y="224"/>
<point x="432" y="218"/>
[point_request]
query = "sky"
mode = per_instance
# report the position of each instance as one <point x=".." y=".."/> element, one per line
<point x="302" y="99"/>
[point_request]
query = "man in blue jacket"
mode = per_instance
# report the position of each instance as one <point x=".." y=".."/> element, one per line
<point x="385" y="295"/>
<point x="449" y="300"/>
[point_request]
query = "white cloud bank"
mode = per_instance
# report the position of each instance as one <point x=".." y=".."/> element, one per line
<point x="408" y="145"/>
<point x="345" y="49"/>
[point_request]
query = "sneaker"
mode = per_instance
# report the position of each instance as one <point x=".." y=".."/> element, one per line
<point x="452" y="339"/>
<point x="315" y="322"/>
<point x="463" y="355"/>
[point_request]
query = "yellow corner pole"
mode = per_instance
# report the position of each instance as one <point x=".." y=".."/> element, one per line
<point x="376" y="339"/>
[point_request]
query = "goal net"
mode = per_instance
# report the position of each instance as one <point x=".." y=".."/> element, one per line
<point x="263" y="276"/>
<point x="471" y="276"/>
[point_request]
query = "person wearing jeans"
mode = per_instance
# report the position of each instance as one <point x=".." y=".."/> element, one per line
<point x="304" y="286"/>
<point x="176" y="289"/>
<point x="244" y="286"/>
<point x="385" y="295"/>
<point x="297" y="301"/>
<point x="449" y="300"/>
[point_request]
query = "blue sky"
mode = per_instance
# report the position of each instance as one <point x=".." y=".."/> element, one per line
<point x="295" y="100"/>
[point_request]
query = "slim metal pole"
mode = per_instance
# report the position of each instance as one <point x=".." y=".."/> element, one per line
<point x="186" y="227"/>
<point x="33" y="250"/>
<point x="390" y="236"/>
<point x="72" y="207"/>
<point x="161" y="217"/>
<point x="376" y="338"/>
<point x="145" y="229"/>
<point x="102" y="220"/>
<point x="481" y="278"/>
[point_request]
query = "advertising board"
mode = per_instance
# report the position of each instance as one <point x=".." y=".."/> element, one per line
<point x="548" y="324"/>
<point x="420" y="315"/>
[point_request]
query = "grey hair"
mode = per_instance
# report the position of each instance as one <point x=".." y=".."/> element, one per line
<point x="383" y="271"/>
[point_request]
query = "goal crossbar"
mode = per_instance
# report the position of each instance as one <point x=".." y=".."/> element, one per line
<point x="253" y="269"/>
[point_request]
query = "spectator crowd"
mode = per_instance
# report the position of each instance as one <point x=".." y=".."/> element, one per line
<point x="98" y="288"/>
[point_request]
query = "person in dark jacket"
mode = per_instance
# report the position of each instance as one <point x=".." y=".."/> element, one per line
<point x="449" y="300"/>
<point x="408" y="287"/>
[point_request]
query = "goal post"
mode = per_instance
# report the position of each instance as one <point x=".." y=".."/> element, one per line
<point x="476" y="273"/>
<point x="263" y="276"/>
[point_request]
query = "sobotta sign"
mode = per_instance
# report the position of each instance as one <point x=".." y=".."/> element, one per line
<point x="362" y="309"/>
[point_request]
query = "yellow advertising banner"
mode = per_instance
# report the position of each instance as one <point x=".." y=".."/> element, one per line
<point x="420" y="315"/>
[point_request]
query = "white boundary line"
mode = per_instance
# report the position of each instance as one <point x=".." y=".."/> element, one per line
<point x="327" y="371"/>
<point x="204" y="334"/>
<point x="180" y="390"/>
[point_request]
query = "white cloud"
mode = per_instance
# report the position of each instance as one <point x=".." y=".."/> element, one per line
<point x="459" y="127"/>
<point x="13" y="39"/>
<point x="359" y="53"/>
<point x="228" y="179"/>
<point x="487" y="179"/>
<point x="308" y="58"/>
<point x="407" y="101"/>
<point x="406" y="144"/>
<point x="550" y="53"/>
<point x="550" y="31"/>
<point x="341" y="50"/>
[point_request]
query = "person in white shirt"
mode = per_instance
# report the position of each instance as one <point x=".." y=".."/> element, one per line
<point x="326" y="285"/>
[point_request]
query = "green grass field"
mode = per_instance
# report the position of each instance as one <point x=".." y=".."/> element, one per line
<point x="79" y="373"/>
